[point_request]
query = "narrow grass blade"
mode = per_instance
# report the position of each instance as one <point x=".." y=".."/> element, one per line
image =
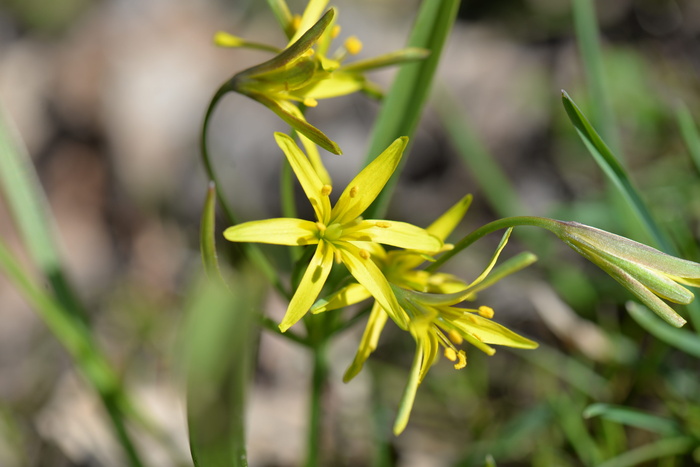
<point x="21" y="189"/>
<point x="567" y="406"/>
<point x="661" y="449"/>
<point x="681" y="339"/>
<point x="75" y="337"/>
<point x="591" y="56"/>
<point x="614" y="171"/>
<point x="218" y="341"/>
<point x="632" y="417"/>
<point x="403" y="105"/>
<point x="207" y="234"/>
<point x="690" y="133"/>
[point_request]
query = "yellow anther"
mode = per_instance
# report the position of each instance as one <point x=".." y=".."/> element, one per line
<point x="455" y="337"/>
<point x="448" y="247"/>
<point x="335" y="31"/>
<point x="296" y="22"/>
<point x="310" y="102"/>
<point x="224" y="39"/>
<point x="383" y="224"/>
<point x="308" y="53"/>
<point x="450" y="354"/>
<point x="326" y="190"/>
<point x="364" y="254"/>
<point x="321" y="227"/>
<point x="353" y="45"/>
<point x="462" y="356"/>
<point x="353" y="191"/>
<point x="486" y="311"/>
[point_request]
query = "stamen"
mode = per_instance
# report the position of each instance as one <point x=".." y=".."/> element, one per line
<point x="364" y="254"/>
<point x="335" y="31"/>
<point x="338" y="258"/>
<point x="326" y="190"/>
<point x="486" y="311"/>
<point x="450" y="354"/>
<point x="353" y="45"/>
<point x="353" y="191"/>
<point x="308" y="53"/>
<point x="310" y="102"/>
<point x="296" y="22"/>
<point x="462" y="356"/>
<point x="321" y="227"/>
<point x="383" y="224"/>
<point x="455" y="337"/>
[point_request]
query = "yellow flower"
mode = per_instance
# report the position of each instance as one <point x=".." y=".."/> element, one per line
<point x="644" y="271"/>
<point x="303" y="72"/>
<point x="339" y="232"/>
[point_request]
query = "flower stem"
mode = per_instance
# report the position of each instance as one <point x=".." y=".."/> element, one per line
<point x="318" y="388"/>
<point x="484" y="230"/>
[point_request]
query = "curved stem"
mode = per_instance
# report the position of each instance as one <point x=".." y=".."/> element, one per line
<point x="484" y="230"/>
<point x="250" y="251"/>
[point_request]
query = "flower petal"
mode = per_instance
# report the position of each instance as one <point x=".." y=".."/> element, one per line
<point x="348" y="295"/>
<point x="315" y="159"/>
<point x="335" y="85"/>
<point x="368" y="274"/>
<point x="409" y="393"/>
<point x="310" y="285"/>
<point x="397" y="57"/>
<point x="279" y="231"/>
<point x="400" y="234"/>
<point x="368" y="344"/>
<point x="445" y="224"/>
<point x="488" y="331"/>
<point x="367" y="185"/>
<point x="308" y="178"/>
<point x="311" y="15"/>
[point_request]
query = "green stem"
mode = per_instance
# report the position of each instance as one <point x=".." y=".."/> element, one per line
<point x="318" y="388"/>
<point x="75" y="337"/>
<point x="249" y="250"/>
<point x="484" y="230"/>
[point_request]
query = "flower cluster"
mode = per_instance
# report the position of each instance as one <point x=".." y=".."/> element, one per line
<point x="385" y="258"/>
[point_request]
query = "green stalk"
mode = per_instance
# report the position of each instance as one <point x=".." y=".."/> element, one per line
<point x="77" y="340"/>
<point x="251" y="251"/>
<point x="319" y="383"/>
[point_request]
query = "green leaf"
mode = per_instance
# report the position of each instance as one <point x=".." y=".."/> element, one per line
<point x="403" y="105"/>
<point x="614" y="171"/>
<point x="690" y="133"/>
<point x="207" y="241"/>
<point x="25" y="197"/>
<point x="219" y="338"/>
<point x="681" y="339"/>
<point x="633" y="417"/>
<point x="661" y="449"/>
<point x="589" y="46"/>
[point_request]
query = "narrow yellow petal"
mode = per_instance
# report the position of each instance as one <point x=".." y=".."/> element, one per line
<point x="308" y="178"/>
<point x="368" y="343"/>
<point x="446" y="223"/>
<point x="279" y="231"/>
<point x="490" y="332"/>
<point x="409" y="393"/>
<point x="365" y="187"/>
<point x="349" y="295"/>
<point x="402" y="235"/>
<point x="368" y="274"/>
<point x="310" y="285"/>
<point x="315" y="159"/>
<point x="311" y="15"/>
<point x="335" y="85"/>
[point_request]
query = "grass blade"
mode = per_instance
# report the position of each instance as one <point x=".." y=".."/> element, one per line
<point x="403" y="105"/>
<point x="614" y="171"/>
<point x="681" y="339"/>
<point x="632" y="417"/>
<point x="690" y="133"/>
<point x="591" y="56"/>
<point x="22" y="191"/>
<point x="75" y="337"/>
<point x="661" y="449"/>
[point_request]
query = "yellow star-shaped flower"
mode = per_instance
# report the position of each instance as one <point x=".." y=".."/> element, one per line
<point x="340" y="233"/>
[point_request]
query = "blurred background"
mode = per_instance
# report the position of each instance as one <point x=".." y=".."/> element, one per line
<point x="109" y="97"/>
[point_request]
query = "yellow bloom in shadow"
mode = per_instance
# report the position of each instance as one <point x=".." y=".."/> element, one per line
<point x="340" y="233"/>
<point x="304" y="72"/>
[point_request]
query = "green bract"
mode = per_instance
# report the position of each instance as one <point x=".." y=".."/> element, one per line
<point x="644" y="271"/>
